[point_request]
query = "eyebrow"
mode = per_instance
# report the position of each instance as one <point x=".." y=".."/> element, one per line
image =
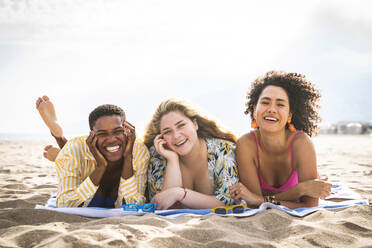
<point x="167" y="128"/>
<point x="278" y="99"/>
<point x="105" y="131"/>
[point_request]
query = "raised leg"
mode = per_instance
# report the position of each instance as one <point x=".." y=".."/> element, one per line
<point x="48" y="114"/>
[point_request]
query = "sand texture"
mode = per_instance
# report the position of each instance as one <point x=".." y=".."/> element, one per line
<point x="26" y="179"/>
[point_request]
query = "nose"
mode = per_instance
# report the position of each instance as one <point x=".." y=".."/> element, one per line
<point x="110" y="138"/>
<point x="272" y="108"/>
<point x="176" y="134"/>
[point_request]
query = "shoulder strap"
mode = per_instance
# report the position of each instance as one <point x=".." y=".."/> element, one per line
<point x="291" y="149"/>
<point x="258" y="155"/>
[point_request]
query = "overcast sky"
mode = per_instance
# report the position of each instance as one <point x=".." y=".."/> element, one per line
<point x="137" y="53"/>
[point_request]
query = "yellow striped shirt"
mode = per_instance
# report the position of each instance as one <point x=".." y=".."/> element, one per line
<point x="75" y="163"/>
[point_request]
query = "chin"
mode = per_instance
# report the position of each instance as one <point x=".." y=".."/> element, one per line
<point x="113" y="158"/>
<point x="272" y="129"/>
<point x="183" y="152"/>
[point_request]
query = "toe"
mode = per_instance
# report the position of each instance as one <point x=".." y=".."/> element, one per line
<point x="47" y="147"/>
<point x="38" y="101"/>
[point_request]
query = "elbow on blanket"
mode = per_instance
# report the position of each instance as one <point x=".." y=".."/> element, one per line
<point x="310" y="202"/>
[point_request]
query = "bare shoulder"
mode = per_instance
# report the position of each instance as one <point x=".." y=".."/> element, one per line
<point x="246" y="154"/>
<point x="302" y="140"/>
<point x="246" y="140"/>
<point x="303" y="146"/>
<point x="246" y="146"/>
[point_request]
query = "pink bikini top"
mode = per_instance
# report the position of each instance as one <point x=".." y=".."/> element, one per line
<point x="293" y="178"/>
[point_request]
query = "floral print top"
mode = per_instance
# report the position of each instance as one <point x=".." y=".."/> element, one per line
<point x="222" y="167"/>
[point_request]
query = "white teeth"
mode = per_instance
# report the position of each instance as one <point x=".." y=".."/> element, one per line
<point x="270" y="119"/>
<point x="181" y="143"/>
<point x="112" y="148"/>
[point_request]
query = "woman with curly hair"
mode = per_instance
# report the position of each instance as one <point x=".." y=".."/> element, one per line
<point x="192" y="160"/>
<point x="277" y="161"/>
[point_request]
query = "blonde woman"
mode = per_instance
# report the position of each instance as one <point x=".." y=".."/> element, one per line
<point x="192" y="160"/>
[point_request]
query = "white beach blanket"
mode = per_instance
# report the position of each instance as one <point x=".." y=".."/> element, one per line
<point x="341" y="197"/>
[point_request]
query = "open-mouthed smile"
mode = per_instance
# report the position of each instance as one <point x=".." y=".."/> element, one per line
<point x="112" y="148"/>
<point x="267" y="118"/>
<point x="181" y="142"/>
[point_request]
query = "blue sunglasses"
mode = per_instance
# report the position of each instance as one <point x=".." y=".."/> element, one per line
<point x="147" y="207"/>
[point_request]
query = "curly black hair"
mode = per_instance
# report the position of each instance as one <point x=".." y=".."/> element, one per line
<point x="303" y="98"/>
<point x="105" y="110"/>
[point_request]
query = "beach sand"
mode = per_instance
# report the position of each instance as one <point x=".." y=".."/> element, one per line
<point x="26" y="179"/>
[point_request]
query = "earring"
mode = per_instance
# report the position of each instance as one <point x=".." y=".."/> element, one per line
<point x="254" y="124"/>
<point x="291" y="127"/>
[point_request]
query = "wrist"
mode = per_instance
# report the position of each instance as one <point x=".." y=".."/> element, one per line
<point x="271" y="199"/>
<point x="128" y="156"/>
<point x="260" y="200"/>
<point x="172" y="159"/>
<point x="301" y="189"/>
<point x="128" y="150"/>
<point x="97" y="175"/>
<point x="101" y="167"/>
<point x="182" y="195"/>
<point x="127" y="170"/>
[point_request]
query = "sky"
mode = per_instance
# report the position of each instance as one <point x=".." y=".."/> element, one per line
<point x="137" y="53"/>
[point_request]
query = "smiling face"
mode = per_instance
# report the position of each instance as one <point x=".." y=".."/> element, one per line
<point x="111" y="139"/>
<point x="179" y="132"/>
<point x="272" y="111"/>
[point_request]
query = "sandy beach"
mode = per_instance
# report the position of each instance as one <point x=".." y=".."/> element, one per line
<point x="27" y="179"/>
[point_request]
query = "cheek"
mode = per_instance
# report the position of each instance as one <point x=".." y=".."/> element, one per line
<point x="192" y="133"/>
<point x="167" y="138"/>
<point x="285" y="112"/>
<point x="123" y="138"/>
<point x="99" y="144"/>
<point x="259" y="108"/>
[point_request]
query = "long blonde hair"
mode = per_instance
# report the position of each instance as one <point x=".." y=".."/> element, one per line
<point x="207" y="128"/>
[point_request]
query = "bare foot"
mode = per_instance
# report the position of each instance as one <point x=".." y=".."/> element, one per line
<point x="47" y="112"/>
<point x="51" y="152"/>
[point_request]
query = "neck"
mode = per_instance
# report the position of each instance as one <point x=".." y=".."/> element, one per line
<point x="272" y="142"/>
<point x="115" y="165"/>
<point x="196" y="155"/>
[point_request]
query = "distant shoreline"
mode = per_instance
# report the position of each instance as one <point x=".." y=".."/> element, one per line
<point x="46" y="137"/>
<point x="28" y="136"/>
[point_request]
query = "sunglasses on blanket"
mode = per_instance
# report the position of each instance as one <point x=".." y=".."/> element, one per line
<point x="235" y="209"/>
<point x="147" y="207"/>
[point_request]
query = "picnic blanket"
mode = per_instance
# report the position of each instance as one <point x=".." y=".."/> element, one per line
<point x="340" y="197"/>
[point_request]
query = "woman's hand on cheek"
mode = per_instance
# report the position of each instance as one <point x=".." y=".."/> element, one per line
<point x="161" y="148"/>
<point x="168" y="197"/>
